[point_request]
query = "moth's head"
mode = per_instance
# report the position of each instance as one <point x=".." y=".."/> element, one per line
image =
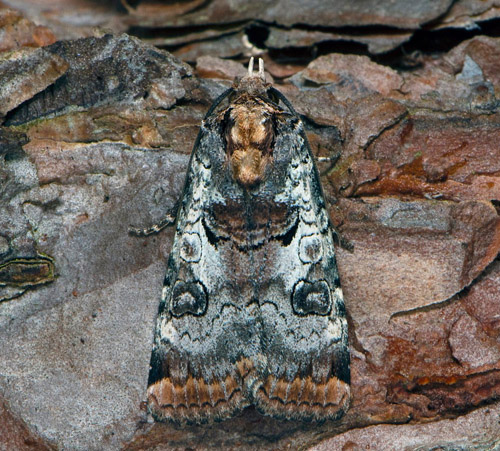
<point x="254" y="83"/>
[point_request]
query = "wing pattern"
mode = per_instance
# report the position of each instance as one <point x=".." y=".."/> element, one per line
<point x="252" y="309"/>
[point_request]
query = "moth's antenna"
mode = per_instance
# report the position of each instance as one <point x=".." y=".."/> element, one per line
<point x="261" y="69"/>
<point x="250" y="67"/>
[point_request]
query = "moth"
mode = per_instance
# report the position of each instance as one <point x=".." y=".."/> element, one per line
<point x="252" y="310"/>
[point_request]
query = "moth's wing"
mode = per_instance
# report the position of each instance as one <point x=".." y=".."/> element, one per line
<point x="201" y="338"/>
<point x="304" y="327"/>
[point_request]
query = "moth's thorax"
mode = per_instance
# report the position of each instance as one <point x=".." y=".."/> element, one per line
<point x="250" y="138"/>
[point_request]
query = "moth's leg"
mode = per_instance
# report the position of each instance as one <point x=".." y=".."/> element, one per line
<point x="167" y="220"/>
<point x="331" y="163"/>
<point x="344" y="243"/>
<point x="341" y="241"/>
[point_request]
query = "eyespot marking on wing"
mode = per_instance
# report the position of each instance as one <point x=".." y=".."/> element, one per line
<point x="311" y="298"/>
<point x="188" y="297"/>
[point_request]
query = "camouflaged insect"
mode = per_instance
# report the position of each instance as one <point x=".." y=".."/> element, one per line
<point x="252" y="310"/>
